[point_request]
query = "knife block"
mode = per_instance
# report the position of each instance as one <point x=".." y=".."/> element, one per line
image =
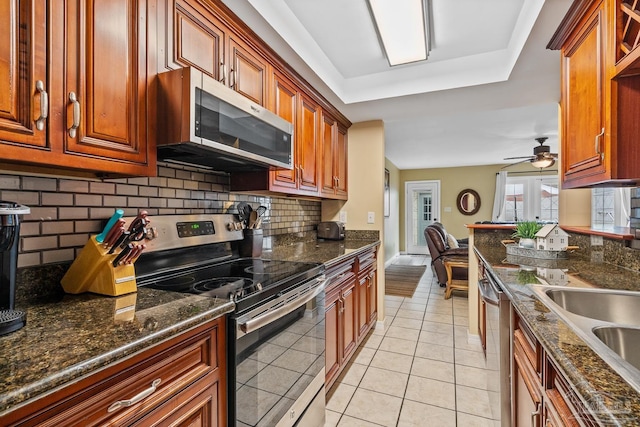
<point x="93" y="271"/>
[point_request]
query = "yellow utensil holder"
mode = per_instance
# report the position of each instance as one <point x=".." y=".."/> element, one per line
<point x="93" y="271"/>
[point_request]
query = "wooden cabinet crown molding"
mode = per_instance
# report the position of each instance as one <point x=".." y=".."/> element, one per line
<point x="249" y="37"/>
<point x="570" y="22"/>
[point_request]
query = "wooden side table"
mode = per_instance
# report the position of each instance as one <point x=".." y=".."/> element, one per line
<point x="455" y="284"/>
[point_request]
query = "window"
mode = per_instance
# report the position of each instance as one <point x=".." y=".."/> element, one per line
<point x="531" y="198"/>
<point x="610" y="207"/>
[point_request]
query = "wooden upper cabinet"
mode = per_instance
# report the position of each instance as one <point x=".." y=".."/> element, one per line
<point x="600" y="105"/>
<point x="23" y="77"/>
<point x="248" y="73"/>
<point x="333" y="163"/>
<point x="285" y="105"/>
<point x="86" y="108"/>
<point x="584" y="96"/>
<point x="198" y="40"/>
<point x="105" y="79"/>
<point x="307" y="150"/>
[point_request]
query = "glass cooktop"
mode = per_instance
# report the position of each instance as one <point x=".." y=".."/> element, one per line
<point x="246" y="281"/>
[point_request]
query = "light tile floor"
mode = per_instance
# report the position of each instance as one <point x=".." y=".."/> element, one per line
<point x="420" y="370"/>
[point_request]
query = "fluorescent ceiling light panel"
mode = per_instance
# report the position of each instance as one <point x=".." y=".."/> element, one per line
<point x="402" y="28"/>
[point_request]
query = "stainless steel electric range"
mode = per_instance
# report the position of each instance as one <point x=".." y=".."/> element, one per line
<point x="276" y="335"/>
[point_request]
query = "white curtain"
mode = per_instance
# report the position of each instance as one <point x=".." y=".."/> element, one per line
<point x="501" y="189"/>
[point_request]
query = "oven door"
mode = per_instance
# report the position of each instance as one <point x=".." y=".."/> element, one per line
<point x="276" y="367"/>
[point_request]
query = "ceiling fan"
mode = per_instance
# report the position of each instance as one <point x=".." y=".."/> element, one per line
<point x="542" y="156"/>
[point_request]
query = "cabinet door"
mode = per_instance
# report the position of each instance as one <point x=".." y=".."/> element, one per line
<point x="248" y="74"/>
<point x="194" y="38"/>
<point x="285" y="105"/>
<point x="372" y="296"/>
<point x="308" y="144"/>
<point x="23" y="54"/>
<point x="332" y="335"/>
<point x="349" y="319"/>
<point x="328" y="141"/>
<point x="340" y="163"/>
<point x="526" y="393"/>
<point x="584" y="96"/>
<point x="105" y="80"/>
<point x="363" y="317"/>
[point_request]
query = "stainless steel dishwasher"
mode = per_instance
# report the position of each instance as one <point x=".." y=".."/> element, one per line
<point x="498" y="327"/>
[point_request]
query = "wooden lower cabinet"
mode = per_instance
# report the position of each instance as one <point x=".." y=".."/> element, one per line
<point x="180" y="382"/>
<point x="540" y="395"/>
<point x="350" y="310"/>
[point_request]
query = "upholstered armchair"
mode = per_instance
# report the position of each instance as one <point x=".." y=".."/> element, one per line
<point x="440" y="249"/>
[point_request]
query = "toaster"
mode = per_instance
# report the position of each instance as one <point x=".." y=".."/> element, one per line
<point x="331" y="230"/>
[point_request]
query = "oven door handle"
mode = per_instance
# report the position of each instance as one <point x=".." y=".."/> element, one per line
<point x="487" y="292"/>
<point x="264" y="319"/>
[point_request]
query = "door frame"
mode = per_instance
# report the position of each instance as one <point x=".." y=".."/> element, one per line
<point x="409" y="187"/>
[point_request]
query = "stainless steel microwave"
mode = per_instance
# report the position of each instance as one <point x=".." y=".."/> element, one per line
<point x="202" y="122"/>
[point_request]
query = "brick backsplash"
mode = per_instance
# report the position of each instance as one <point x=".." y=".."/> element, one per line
<point x="66" y="211"/>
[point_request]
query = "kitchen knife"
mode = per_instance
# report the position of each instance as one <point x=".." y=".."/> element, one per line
<point x="123" y="253"/>
<point x="132" y="253"/>
<point x="135" y="257"/>
<point x="114" y="233"/>
<point x="121" y="239"/>
<point x="112" y="221"/>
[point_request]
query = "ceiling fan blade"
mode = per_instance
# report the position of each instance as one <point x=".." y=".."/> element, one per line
<point x="521" y="157"/>
<point x="516" y="163"/>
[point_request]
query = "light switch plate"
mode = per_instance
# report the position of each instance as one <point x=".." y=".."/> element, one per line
<point x="371" y="217"/>
<point x="447" y="208"/>
<point x="343" y="216"/>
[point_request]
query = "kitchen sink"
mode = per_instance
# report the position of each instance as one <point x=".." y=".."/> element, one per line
<point x="607" y="320"/>
<point x="624" y="341"/>
<point x="606" y="305"/>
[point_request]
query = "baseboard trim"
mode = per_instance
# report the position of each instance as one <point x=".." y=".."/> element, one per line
<point x="391" y="260"/>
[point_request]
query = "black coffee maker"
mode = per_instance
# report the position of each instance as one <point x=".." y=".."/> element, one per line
<point x="10" y="319"/>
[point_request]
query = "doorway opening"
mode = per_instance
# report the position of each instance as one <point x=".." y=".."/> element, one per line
<point x="422" y="207"/>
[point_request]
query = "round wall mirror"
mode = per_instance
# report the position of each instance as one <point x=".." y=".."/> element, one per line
<point x="468" y="202"/>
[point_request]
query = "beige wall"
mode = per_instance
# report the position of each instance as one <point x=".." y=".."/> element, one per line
<point x="366" y="188"/>
<point x="392" y="222"/>
<point x="453" y="180"/>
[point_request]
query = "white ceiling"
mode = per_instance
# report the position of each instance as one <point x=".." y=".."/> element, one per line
<point x="488" y="89"/>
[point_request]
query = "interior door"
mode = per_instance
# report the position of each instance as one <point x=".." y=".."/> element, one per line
<point x="422" y="200"/>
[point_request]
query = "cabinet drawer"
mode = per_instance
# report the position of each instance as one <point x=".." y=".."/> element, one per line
<point x="149" y="379"/>
<point x="531" y="347"/>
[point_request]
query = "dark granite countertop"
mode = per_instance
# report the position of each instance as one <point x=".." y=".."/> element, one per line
<point x="328" y="252"/>
<point x="70" y="336"/>
<point x="608" y="397"/>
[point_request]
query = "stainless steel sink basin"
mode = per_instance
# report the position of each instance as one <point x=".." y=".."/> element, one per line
<point x="606" y="305"/>
<point x="624" y="341"/>
<point x="607" y="320"/>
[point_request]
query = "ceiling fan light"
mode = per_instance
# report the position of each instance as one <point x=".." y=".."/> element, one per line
<point x="402" y="29"/>
<point x="543" y="162"/>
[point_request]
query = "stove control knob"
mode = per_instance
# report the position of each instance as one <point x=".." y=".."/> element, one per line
<point x="231" y="226"/>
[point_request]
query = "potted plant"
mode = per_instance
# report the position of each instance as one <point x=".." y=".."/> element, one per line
<point x="526" y="232"/>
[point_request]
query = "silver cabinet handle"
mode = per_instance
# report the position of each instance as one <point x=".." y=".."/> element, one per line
<point x="535" y="414"/>
<point x="135" y="399"/>
<point x="76" y="114"/>
<point x="223" y="73"/>
<point x="44" y="105"/>
<point x="232" y="79"/>
<point x="597" y="143"/>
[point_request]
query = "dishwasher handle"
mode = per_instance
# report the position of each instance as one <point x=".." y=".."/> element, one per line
<point x="487" y="293"/>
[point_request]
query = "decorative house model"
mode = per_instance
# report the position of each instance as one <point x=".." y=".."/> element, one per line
<point x="552" y="238"/>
